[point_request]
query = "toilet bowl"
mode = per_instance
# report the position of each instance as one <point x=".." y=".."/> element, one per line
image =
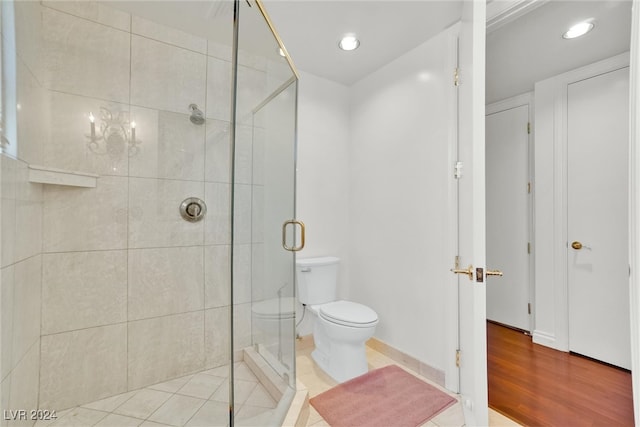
<point x="271" y="315"/>
<point x="340" y="332"/>
<point x="340" y="328"/>
<point x="272" y="322"/>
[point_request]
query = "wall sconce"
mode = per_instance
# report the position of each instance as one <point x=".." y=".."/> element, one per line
<point x="115" y="135"/>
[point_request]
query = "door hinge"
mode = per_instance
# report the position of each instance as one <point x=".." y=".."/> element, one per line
<point x="456" y="77"/>
<point x="528" y="247"/>
<point x="457" y="358"/>
<point x="528" y="128"/>
<point x="529" y="308"/>
<point x="457" y="170"/>
<point x="528" y="188"/>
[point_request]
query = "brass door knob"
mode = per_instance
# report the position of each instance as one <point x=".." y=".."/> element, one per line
<point x="468" y="271"/>
<point x="494" y="273"/>
<point x="576" y="245"/>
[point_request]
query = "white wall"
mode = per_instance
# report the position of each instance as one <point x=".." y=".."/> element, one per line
<point x="323" y="151"/>
<point x="399" y="176"/>
<point x="372" y="186"/>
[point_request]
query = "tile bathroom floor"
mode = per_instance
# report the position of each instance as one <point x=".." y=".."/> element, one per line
<point x="317" y="382"/>
<point x="193" y="400"/>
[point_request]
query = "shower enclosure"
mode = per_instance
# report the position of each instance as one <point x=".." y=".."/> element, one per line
<point x="147" y="183"/>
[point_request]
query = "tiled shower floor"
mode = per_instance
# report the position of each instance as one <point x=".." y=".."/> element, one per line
<point x="197" y="400"/>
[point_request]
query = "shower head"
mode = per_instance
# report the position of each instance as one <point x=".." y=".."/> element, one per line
<point x="197" y="117"/>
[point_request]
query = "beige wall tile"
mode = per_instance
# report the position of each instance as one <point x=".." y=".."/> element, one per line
<point x="220" y="50"/>
<point x="217" y="340"/>
<point x="94" y="11"/>
<point x="71" y="375"/>
<point x="71" y="148"/>
<point x="218" y="219"/>
<point x="154" y="214"/>
<point x="33" y="115"/>
<point x="8" y="184"/>
<point x="165" y="281"/>
<point x="252" y="90"/>
<point x="241" y="274"/>
<point x="6" y="317"/>
<point x="217" y="276"/>
<point x="94" y="62"/>
<point x="218" y="156"/>
<point x="243" y="154"/>
<point x="26" y="306"/>
<point x="5" y="393"/>
<point x="168" y="35"/>
<point x="28" y="215"/>
<point x="166" y="77"/>
<point x="171" y="146"/>
<point x="78" y="219"/>
<point x="83" y="289"/>
<point x="258" y="291"/>
<point x="242" y="325"/>
<point x="242" y="214"/>
<point x="218" y="89"/>
<point x="28" y="16"/>
<point x="165" y="347"/>
<point x="24" y="384"/>
<point x="257" y="215"/>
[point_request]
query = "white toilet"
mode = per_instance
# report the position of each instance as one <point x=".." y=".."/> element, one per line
<point x="341" y="327"/>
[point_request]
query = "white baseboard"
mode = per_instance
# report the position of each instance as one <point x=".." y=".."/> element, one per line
<point x="544" y="338"/>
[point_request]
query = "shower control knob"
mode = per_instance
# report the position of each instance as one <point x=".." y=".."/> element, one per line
<point x="193" y="209"/>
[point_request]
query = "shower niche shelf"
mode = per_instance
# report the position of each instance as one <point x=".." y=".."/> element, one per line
<point x="47" y="175"/>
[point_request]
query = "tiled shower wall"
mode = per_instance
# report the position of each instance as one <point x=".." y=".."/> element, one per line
<point x="131" y="293"/>
<point x="21" y="226"/>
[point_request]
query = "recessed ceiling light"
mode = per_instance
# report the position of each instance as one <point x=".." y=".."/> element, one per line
<point x="578" y="30"/>
<point x="349" y="42"/>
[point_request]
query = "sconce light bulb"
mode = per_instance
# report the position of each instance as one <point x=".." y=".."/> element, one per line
<point x="92" y="119"/>
<point x="133" y="125"/>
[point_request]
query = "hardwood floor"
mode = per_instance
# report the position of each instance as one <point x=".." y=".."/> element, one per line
<point x="539" y="386"/>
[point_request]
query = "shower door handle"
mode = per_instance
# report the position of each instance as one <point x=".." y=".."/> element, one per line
<point x="284" y="235"/>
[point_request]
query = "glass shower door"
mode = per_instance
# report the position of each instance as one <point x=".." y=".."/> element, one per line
<point x="263" y="201"/>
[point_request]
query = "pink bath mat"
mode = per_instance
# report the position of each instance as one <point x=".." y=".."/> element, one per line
<point x="385" y="397"/>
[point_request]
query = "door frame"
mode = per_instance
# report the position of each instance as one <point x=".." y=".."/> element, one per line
<point x="634" y="203"/>
<point x="507" y="104"/>
<point x="552" y="299"/>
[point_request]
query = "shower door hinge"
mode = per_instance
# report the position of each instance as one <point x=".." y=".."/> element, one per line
<point x="457" y="358"/>
<point x="528" y="247"/>
<point x="529" y="308"/>
<point x="456" y="77"/>
<point x="528" y="127"/>
<point x="457" y="170"/>
<point x="528" y="188"/>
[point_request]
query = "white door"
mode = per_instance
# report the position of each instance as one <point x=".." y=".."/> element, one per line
<point x="598" y="269"/>
<point x="507" y="172"/>
<point x="471" y="215"/>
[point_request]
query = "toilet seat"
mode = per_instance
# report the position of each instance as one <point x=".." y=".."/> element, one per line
<point x="348" y="313"/>
<point x="270" y="308"/>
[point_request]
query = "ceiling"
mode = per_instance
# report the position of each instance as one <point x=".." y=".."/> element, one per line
<point x="311" y="30"/>
<point x="519" y="53"/>
<point x="522" y="48"/>
<point x="531" y="48"/>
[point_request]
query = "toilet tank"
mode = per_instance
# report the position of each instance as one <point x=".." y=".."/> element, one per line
<point x="317" y="279"/>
